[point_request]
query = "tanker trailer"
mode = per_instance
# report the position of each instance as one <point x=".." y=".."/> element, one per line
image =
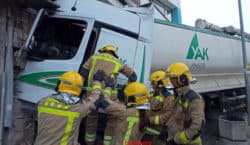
<point x="215" y="60"/>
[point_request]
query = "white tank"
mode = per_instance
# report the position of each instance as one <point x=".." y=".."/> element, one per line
<point x="215" y="59"/>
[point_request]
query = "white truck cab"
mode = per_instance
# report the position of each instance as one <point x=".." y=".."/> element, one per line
<point x="63" y="39"/>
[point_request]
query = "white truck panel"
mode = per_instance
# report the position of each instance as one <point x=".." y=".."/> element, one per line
<point x="100" y="12"/>
<point x="39" y="77"/>
<point x="124" y="43"/>
<point x="221" y="65"/>
<point x="40" y="72"/>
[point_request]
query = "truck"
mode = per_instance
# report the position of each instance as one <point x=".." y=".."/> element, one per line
<point x="63" y="38"/>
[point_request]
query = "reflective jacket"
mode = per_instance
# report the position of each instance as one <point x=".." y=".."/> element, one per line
<point x="109" y="64"/>
<point x="58" y="123"/>
<point x="187" y="119"/>
<point x="161" y="108"/>
<point x="127" y="124"/>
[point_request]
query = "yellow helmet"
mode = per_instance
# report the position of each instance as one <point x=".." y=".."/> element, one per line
<point x="108" y="48"/>
<point x="136" y="94"/>
<point x="181" y="72"/>
<point x="71" y="82"/>
<point x="159" y="78"/>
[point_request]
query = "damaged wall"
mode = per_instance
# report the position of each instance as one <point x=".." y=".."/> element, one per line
<point x="3" y="28"/>
<point x="15" y="23"/>
<point x="23" y="19"/>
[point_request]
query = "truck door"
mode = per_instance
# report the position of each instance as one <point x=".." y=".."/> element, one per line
<point x="127" y="47"/>
<point x="57" y="44"/>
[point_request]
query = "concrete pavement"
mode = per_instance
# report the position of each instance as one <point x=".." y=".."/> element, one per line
<point x="211" y="135"/>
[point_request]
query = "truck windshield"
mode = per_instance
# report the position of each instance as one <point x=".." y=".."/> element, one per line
<point x="56" y="38"/>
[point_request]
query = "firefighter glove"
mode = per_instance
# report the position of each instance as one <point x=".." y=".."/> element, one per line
<point x="132" y="77"/>
<point x="110" y="82"/>
<point x="98" y="102"/>
<point x="100" y="75"/>
<point x="101" y="102"/>
<point x="104" y="104"/>
<point x="163" y="134"/>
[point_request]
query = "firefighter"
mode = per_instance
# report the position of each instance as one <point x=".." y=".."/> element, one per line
<point x="128" y="128"/>
<point x="186" y="121"/>
<point x="160" y="102"/>
<point x="59" y="115"/>
<point x="108" y="61"/>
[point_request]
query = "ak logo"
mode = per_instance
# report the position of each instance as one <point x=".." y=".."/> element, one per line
<point x="42" y="79"/>
<point x="195" y="52"/>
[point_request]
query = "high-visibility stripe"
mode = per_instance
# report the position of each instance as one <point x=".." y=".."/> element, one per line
<point x="107" y="140"/>
<point x="67" y="131"/>
<point x="55" y="103"/>
<point x="107" y="137"/>
<point x="58" y="112"/>
<point x="51" y="99"/>
<point x="90" y="137"/>
<point x="52" y="104"/>
<point x="91" y="71"/>
<point x="159" y="98"/>
<point x="152" y="131"/>
<point x="137" y="113"/>
<point x="107" y="91"/>
<point x="172" y="98"/>
<point x="96" y="87"/>
<point x="105" y="58"/>
<point x="66" y="107"/>
<point x="179" y="101"/>
<point x="131" y="121"/>
<point x="157" y="120"/>
<point x="197" y="140"/>
<point x="46" y="103"/>
<point x="59" y="106"/>
<point x="71" y="115"/>
<point x="111" y="59"/>
<point x="114" y="92"/>
<point x="185" y="104"/>
<point x="150" y="95"/>
<point x="184" y="138"/>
